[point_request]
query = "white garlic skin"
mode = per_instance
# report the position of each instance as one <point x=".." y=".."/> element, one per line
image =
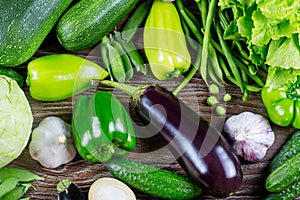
<point x="52" y="143"/>
<point x="251" y="134"/>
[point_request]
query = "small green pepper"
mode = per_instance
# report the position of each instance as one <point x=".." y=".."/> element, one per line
<point x="102" y="127"/>
<point x="283" y="104"/>
<point x="164" y="41"/>
<point x="59" y="76"/>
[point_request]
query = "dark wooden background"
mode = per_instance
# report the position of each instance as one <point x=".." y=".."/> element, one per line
<point x="84" y="173"/>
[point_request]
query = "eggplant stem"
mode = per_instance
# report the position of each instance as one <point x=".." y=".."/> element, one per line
<point x="129" y="89"/>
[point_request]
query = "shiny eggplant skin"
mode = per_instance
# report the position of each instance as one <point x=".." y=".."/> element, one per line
<point x="200" y="149"/>
<point x="71" y="193"/>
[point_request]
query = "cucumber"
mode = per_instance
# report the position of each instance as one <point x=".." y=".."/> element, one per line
<point x="284" y="175"/>
<point x="154" y="181"/>
<point x="88" y="21"/>
<point x="289" y="193"/>
<point x="24" y="26"/>
<point x="289" y="149"/>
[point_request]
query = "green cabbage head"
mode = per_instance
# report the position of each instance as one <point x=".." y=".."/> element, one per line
<point x="15" y="120"/>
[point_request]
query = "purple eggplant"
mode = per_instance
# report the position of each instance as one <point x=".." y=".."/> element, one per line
<point x="68" y="190"/>
<point x="200" y="149"/>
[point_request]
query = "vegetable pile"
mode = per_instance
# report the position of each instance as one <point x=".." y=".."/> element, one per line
<point x="253" y="45"/>
<point x="283" y="179"/>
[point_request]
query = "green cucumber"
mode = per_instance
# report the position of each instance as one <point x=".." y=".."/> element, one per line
<point x="284" y="175"/>
<point x="288" y="150"/>
<point x="24" y="26"/>
<point x="289" y="193"/>
<point x="154" y="181"/>
<point x="88" y="21"/>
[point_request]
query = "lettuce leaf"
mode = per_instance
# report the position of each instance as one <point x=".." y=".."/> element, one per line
<point x="279" y="77"/>
<point x="266" y="29"/>
<point x="279" y="9"/>
<point x="284" y="53"/>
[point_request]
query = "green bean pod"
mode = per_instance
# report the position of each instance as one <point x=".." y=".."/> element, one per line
<point x="125" y="59"/>
<point x="116" y="64"/>
<point x="134" y="22"/>
<point x="8" y="185"/>
<point x="134" y="55"/>
<point x="17" y="192"/>
<point x="20" y="174"/>
<point x="105" y="56"/>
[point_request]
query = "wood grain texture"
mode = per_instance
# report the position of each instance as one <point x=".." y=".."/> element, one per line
<point x="194" y="95"/>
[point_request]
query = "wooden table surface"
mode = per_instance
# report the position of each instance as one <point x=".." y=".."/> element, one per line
<point x="84" y="173"/>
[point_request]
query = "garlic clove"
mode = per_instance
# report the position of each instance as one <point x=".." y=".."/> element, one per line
<point x="251" y="135"/>
<point x="52" y="143"/>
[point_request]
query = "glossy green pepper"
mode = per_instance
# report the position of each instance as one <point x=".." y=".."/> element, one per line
<point x="101" y="127"/>
<point x="164" y="41"/>
<point x="283" y="104"/>
<point x="59" y="76"/>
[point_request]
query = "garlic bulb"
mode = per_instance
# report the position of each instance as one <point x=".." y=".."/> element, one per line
<point x="251" y="134"/>
<point x="52" y="143"/>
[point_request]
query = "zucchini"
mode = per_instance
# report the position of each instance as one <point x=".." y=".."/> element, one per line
<point x="24" y="25"/>
<point x="289" y="193"/>
<point x="289" y="149"/>
<point x="284" y="175"/>
<point x="88" y="21"/>
<point x="154" y="181"/>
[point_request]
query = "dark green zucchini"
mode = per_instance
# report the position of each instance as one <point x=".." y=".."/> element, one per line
<point x="24" y="26"/>
<point x="154" y="181"/>
<point x="288" y="150"/>
<point x="88" y="21"/>
<point x="285" y="175"/>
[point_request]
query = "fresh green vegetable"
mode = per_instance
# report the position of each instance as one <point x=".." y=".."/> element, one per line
<point x="289" y="149"/>
<point x="24" y="26"/>
<point x="167" y="58"/>
<point x="125" y="59"/>
<point x="212" y="100"/>
<point x="261" y="23"/>
<point x="134" y="55"/>
<point x="137" y="18"/>
<point x="16" y="120"/>
<point x="219" y="57"/>
<point x="102" y="127"/>
<point x="7" y="185"/>
<point x="154" y="181"/>
<point x="290" y="193"/>
<point x="285" y="175"/>
<point x="88" y="21"/>
<point x="17" y="192"/>
<point x="213" y="89"/>
<point x="11" y="73"/>
<point x="220" y="110"/>
<point x="20" y="174"/>
<point x="116" y="64"/>
<point x="227" y="97"/>
<point x="281" y="96"/>
<point x="59" y="76"/>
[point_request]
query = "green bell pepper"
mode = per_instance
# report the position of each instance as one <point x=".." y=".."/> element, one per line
<point x="164" y="41"/>
<point x="59" y="76"/>
<point x="283" y="104"/>
<point x="101" y="127"/>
